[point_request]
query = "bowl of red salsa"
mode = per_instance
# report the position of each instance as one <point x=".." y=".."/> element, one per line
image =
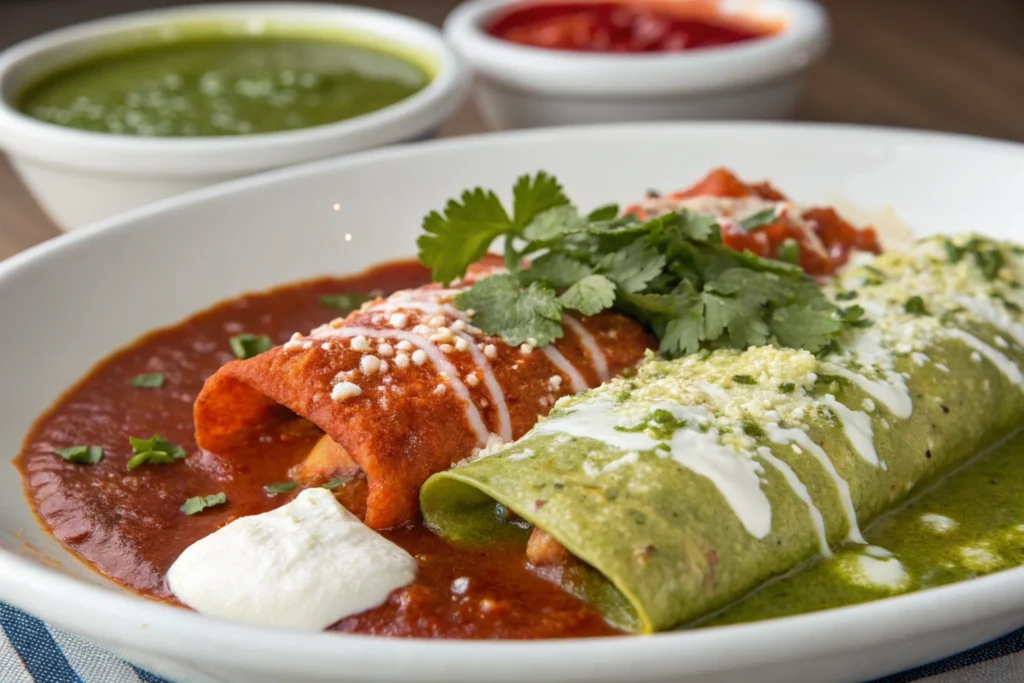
<point x="561" y="62"/>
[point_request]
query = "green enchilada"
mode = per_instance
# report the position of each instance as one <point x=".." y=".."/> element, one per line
<point x="687" y="486"/>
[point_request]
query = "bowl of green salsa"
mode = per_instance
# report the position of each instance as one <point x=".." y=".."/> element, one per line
<point x="106" y="116"/>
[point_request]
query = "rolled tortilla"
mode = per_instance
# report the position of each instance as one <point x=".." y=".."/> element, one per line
<point x="689" y="485"/>
<point x="404" y="388"/>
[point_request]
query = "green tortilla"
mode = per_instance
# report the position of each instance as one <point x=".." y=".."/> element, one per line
<point x="699" y="496"/>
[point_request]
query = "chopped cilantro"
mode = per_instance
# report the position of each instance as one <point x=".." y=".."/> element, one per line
<point x="846" y="296"/>
<point x="789" y="251"/>
<point x="743" y="379"/>
<point x="751" y="429"/>
<point x="197" y="504"/>
<point x="156" y="450"/>
<point x="671" y="272"/>
<point x="280" y="487"/>
<point x="345" y="301"/>
<point x="989" y="262"/>
<point x="854" y="316"/>
<point x="86" y="455"/>
<point x="915" y="305"/>
<point x="148" y="380"/>
<point x="787" y="387"/>
<point x="249" y="345"/>
<point x="336" y="482"/>
<point x="760" y="219"/>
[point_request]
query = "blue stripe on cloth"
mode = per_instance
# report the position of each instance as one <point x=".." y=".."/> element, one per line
<point x="1003" y="647"/>
<point x="35" y="646"/>
<point x="148" y="677"/>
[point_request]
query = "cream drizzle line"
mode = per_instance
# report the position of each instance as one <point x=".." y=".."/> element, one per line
<point x="436" y="357"/>
<point x="491" y="381"/>
<point x="1005" y="365"/>
<point x="597" y="358"/>
<point x="800" y="438"/>
<point x="562" y="363"/>
<point x="857" y="428"/>
<point x="800" y="489"/>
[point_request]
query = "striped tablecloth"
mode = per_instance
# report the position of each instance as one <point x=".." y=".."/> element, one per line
<point x="32" y="652"/>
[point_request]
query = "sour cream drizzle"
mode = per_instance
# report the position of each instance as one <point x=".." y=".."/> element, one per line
<point x="433" y="353"/>
<point x="857" y="427"/>
<point x="803" y="494"/>
<point x="800" y="438"/>
<point x="493" y="387"/>
<point x="597" y="359"/>
<point x="1005" y="365"/>
<point x="562" y="363"/>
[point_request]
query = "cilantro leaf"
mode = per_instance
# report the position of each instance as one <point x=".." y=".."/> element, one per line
<point x="556" y="269"/>
<point x="247" y="345"/>
<point x="516" y="313"/>
<point x="603" y="213"/>
<point x="633" y="267"/>
<point x="85" y="455"/>
<point x="462" y="235"/>
<point x="802" y="327"/>
<point x="148" y="380"/>
<point x="533" y="196"/>
<point x="553" y="223"/>
<point x="590" y="295"/>
<point x="683" y="333"/>
<point x="197" y="504"/>
<point x="759" y="219"/>
<point x="346" y="302"/>
<point x="155" y="450"/>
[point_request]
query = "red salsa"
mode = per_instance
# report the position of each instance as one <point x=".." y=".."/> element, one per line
<point x="623" y="26"/>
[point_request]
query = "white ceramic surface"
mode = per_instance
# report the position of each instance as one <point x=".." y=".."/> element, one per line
<point x="71" y="301"/>
<point x="80" y="177"/>
<point x="518" y="86"/>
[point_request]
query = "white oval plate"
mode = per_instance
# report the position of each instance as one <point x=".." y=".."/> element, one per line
<point x="70" y="302"/>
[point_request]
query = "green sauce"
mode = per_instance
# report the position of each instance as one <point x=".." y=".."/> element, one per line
<point x="223" y="86"/>
<point x="969" y="525"/>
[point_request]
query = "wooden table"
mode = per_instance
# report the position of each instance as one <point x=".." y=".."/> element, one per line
<point x="941" y="64"/>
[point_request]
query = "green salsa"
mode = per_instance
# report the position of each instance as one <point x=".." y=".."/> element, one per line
<point x="227" y="85"/>
<point x="969" y="525"/>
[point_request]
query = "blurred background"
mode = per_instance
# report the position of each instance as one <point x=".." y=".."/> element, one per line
<point x="948" y="65"/>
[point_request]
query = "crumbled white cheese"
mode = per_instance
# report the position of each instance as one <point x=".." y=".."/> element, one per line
<point x="345" y="390"/>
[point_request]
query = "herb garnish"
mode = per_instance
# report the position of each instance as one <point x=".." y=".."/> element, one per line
<point x="789" y="251"/>
<point x="672" y="272"/>
<point x="247" y="345"/>
<point x="280" y="487"/>
<point x="148" y="380"/>
<point x="197" y="504"/>
<point x="915" y="305"/>
<point x="743" y="379"/>
<point x="86" y="455"/>
<point x="345" y="301"/>
<point x="156" y="450"/>
<point x="760" y="219"/>
<point x="336" y="482"/>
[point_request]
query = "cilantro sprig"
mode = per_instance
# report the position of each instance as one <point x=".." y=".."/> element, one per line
<point x="672" y="272"/>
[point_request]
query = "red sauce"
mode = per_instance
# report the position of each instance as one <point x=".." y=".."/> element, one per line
<point x="128" y="525"/>
<point x="623" y="26"/>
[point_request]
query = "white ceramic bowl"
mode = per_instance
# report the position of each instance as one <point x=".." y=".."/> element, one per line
<point x="63" y="311"/>
<point x="80" y="177"/>
<point x="519" y="86"/>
